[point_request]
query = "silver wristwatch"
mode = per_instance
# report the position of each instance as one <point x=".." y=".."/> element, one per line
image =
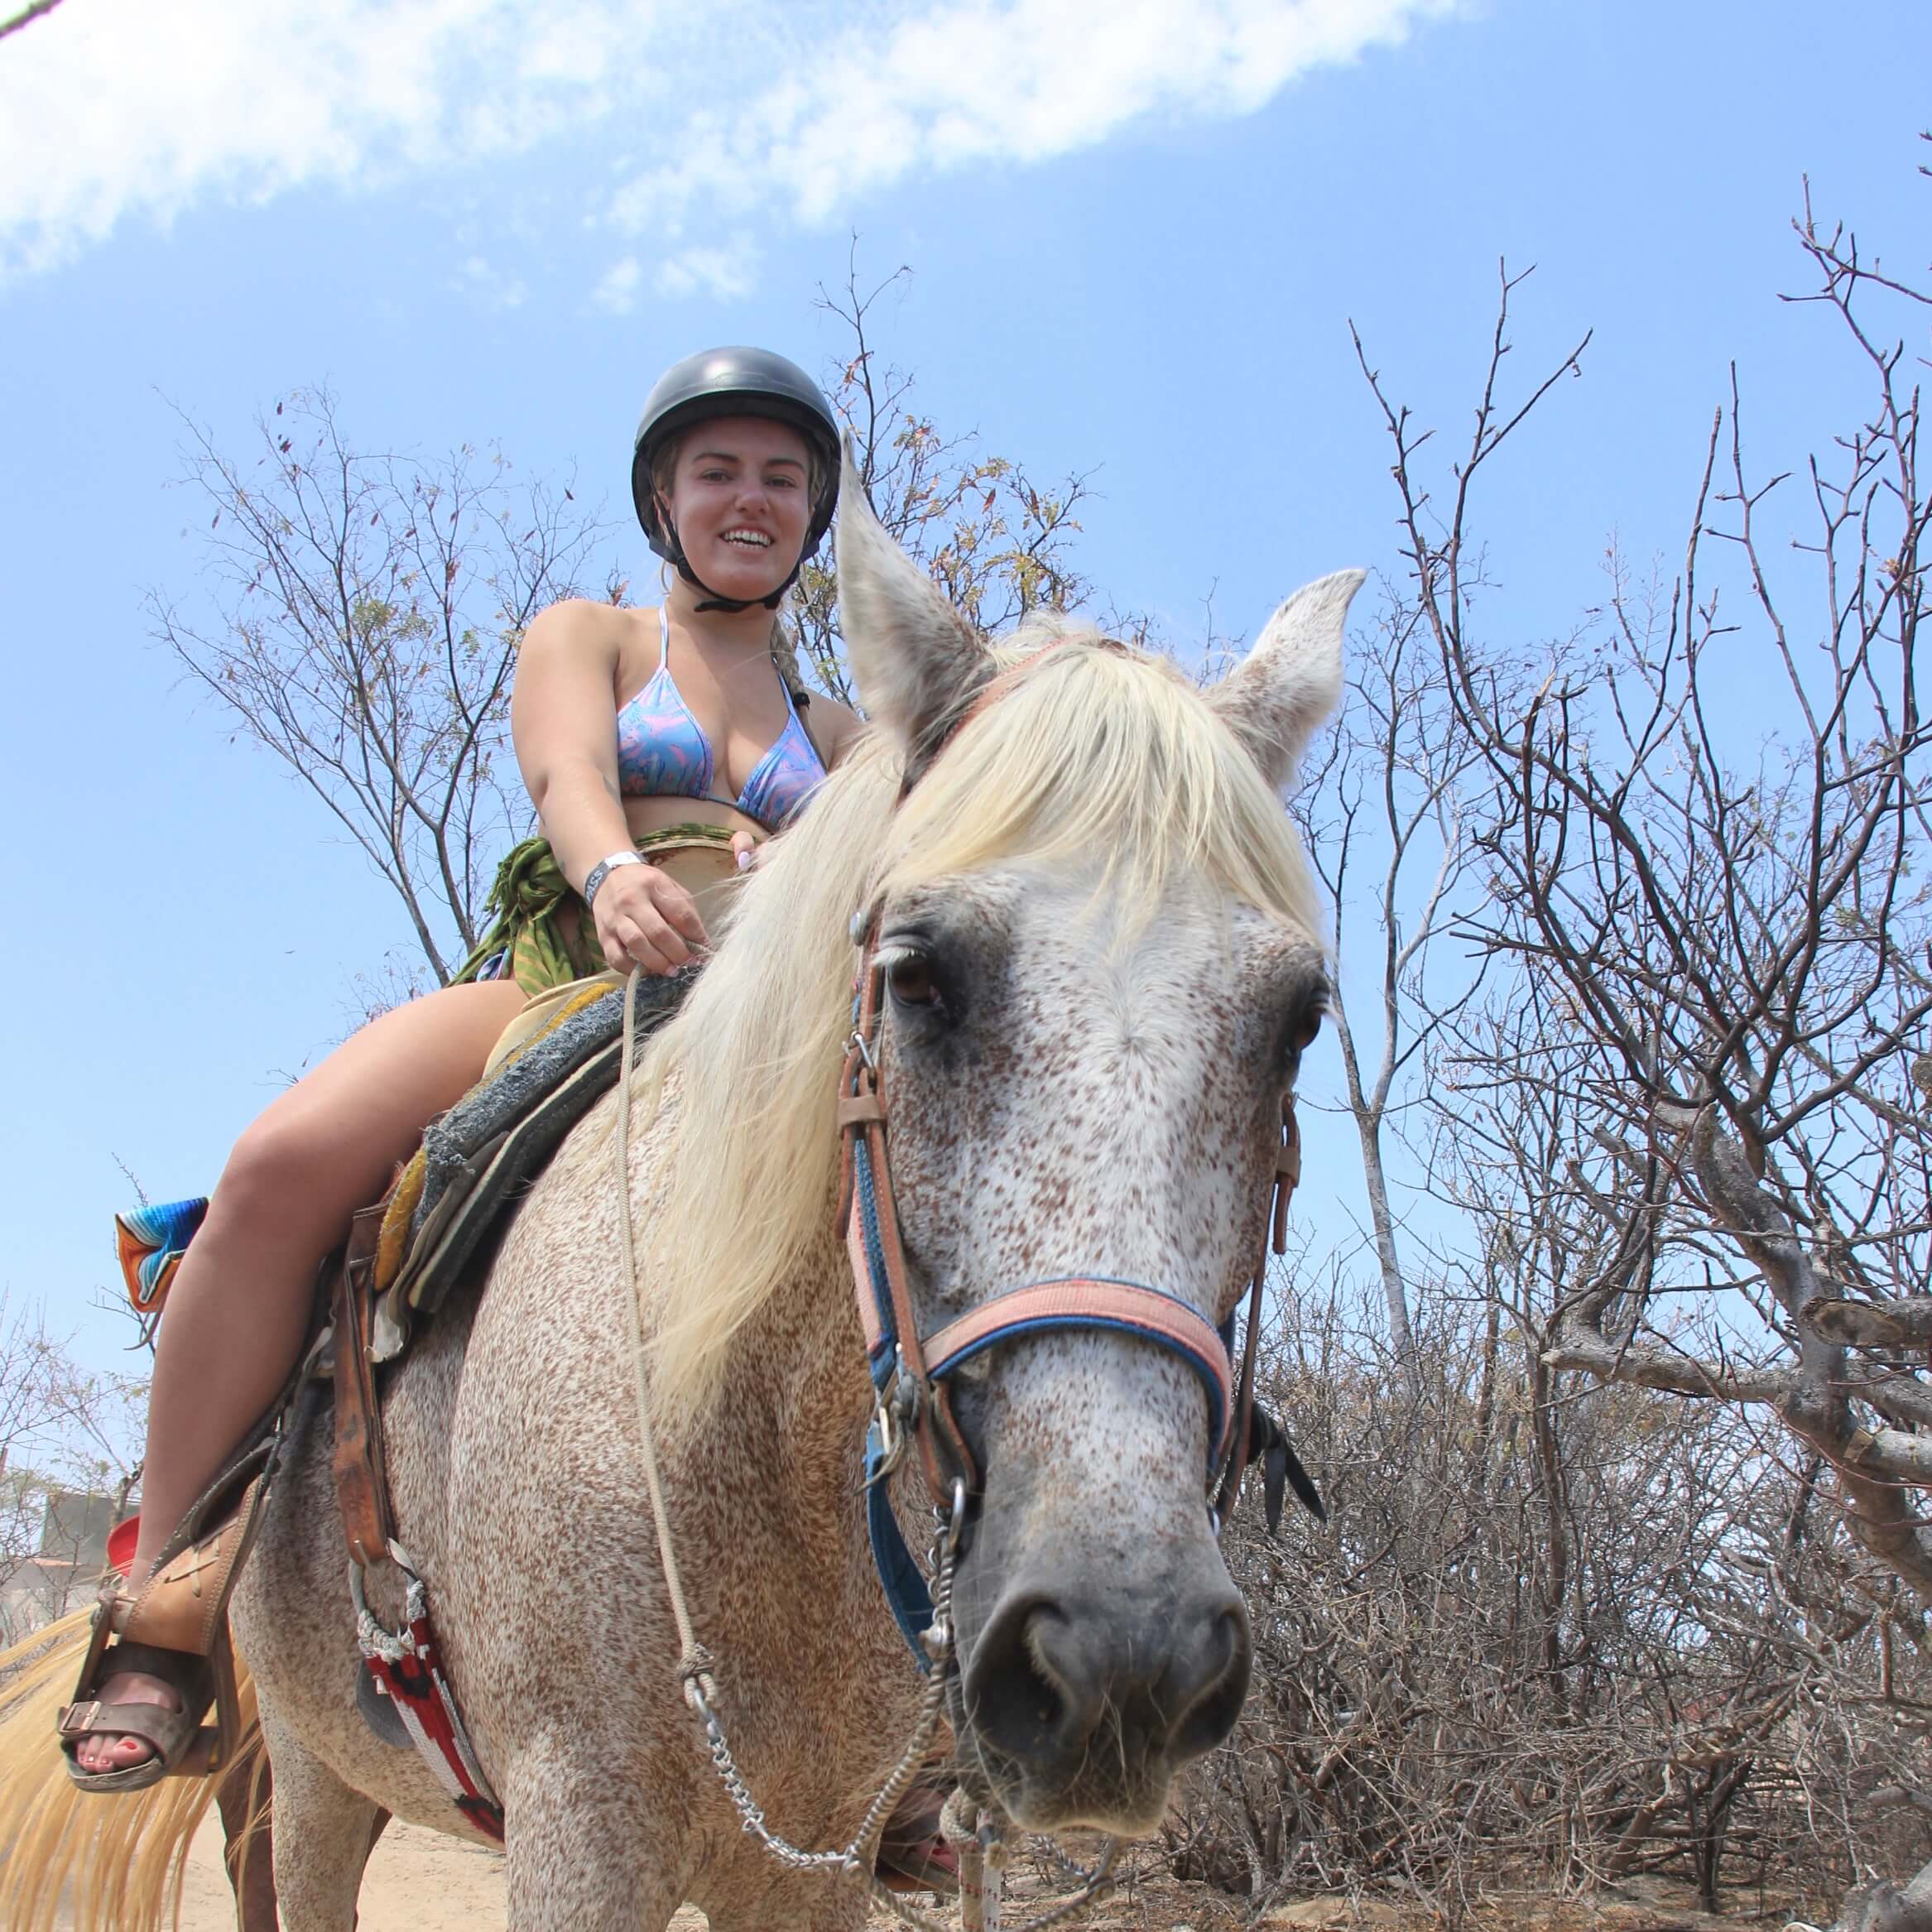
<point x="602" y="871"/>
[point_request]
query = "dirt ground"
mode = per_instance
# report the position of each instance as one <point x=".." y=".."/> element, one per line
<point x="417" y="1882"/>
<point x="422" y="1881"/>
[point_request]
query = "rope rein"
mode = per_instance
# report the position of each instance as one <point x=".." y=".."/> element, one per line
<point x="693" y="1665"/>
<point x="981" y="1844"/>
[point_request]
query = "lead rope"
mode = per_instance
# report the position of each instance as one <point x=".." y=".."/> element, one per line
<point x="696" y="1671"/>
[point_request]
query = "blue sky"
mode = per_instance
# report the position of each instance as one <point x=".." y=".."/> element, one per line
<point x="1138" y="234"/>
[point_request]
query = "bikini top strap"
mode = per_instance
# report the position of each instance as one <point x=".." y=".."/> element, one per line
<point x="663" y="637"/>
<point x="799" y="702"/>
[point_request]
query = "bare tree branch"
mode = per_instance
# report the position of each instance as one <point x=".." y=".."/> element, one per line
<point x="367" y="610"/>
<point x="39" y="10"/>
<point x="998" y="542"/>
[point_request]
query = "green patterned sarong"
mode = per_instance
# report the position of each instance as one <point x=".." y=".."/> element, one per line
<point x="530" y="931"/>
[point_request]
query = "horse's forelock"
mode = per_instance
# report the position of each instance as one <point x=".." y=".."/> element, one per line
<point x="1103" y="753"/>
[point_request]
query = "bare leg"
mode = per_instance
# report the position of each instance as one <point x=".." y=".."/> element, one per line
<point x="240" y="1301"/>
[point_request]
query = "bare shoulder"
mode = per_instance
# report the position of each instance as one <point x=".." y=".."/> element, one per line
<point x="580" y="628"/>
<point x="837" y="726"/>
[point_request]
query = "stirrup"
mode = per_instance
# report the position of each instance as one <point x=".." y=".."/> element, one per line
<point x="175" y="1629"/>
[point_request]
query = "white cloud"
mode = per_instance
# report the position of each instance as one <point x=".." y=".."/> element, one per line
<point x="127" y="109"/>
<point x="494" y="287"/>
<point x="725" y="273"/>
<point x="617" y="292"/>
<point x="983" y="82"/>
<point x="121" y="107"/>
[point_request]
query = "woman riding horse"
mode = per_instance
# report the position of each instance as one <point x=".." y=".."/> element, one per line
<point x="679" y="726"/>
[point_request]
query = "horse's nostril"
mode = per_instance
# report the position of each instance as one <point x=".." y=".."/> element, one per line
<point x="1050" y="1673"/>
<point x="1212" y="1701"/>
<point x="1012" y="1701"/>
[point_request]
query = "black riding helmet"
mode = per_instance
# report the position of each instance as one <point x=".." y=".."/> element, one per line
<point x="733" y="382"/>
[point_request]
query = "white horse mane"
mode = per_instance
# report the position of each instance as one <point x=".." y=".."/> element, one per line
<point x="1093" y="753"/>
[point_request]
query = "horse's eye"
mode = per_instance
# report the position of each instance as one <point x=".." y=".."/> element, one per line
<point x="910" y="976"/>
<point x="1304" y="1027"/>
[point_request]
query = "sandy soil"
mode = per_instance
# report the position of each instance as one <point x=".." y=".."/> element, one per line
<point x="417" y="1882"/>
<point x="422" y="1881"/>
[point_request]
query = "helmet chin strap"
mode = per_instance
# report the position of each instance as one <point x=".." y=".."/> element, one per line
<point x="712" y="599"/>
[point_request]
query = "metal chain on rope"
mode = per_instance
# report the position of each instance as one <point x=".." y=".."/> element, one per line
<point x="983" y="1858"/>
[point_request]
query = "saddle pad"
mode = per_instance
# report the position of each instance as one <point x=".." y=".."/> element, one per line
<point x="149" y="1242"/>
<point x="561" y="1056"/>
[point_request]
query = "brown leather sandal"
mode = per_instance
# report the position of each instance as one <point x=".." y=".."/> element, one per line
<point x="176" y="1737"/>
<point x="176" y="1629"/>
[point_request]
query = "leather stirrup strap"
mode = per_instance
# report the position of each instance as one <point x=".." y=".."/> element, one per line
<point x="362" y="1482"/>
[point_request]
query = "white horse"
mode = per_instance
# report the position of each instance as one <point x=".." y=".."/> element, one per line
<point x="1101" y="966"/>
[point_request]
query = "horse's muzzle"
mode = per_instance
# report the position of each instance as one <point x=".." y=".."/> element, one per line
<point x="1082" y="1701"/>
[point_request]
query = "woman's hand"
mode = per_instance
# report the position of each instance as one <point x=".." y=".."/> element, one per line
<point x="645" y="918"/>
<point x="746" y="850"/>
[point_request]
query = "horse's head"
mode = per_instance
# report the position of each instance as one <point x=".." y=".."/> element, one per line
<point x="1100" y="971"/>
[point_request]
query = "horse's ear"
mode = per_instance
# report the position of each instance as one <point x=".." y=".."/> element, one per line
<point x="1276" y="696"/>
<point x="916" y="660"/>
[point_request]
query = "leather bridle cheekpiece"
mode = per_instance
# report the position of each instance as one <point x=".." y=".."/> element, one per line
<point x="911" y="1373"/>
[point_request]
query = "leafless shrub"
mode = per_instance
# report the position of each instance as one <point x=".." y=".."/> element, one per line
<point x="1716" y="907"/>
<point x="1554" y="1638"/>
<point x="1631" y="1571"/>
<point x="64" y="1435"/>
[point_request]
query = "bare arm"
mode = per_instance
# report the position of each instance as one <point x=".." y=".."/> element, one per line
<point x="563" y="722"/>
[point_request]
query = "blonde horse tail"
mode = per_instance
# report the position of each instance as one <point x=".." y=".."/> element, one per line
<point x="115" y="1864"/>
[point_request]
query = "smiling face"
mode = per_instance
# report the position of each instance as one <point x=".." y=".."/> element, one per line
<point x="738" y="490"/>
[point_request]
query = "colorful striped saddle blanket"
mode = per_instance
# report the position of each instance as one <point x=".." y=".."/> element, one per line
<point x="460" y="1191"/>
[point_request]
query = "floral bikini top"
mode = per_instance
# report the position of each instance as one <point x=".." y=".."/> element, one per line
<point x="663" y="752"/>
